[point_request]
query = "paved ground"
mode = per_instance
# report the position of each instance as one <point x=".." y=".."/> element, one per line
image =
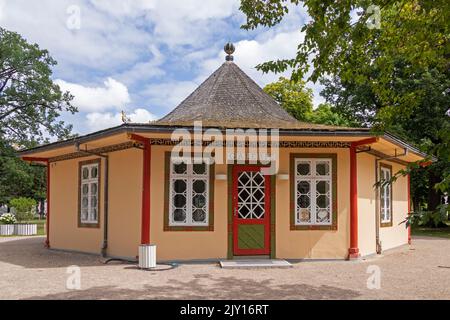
<point x="28" y="271"/>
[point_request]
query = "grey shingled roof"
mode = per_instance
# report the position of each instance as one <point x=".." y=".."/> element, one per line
<point x="231" y="99"/>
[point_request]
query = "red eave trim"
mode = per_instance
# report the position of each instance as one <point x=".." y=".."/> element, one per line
<point x="426" y="164"/>
<point x="34" y="159"/>
<point x="138" y="138"/>
<point x="364" y="142"/>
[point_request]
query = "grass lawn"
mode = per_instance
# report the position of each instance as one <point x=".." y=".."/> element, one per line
<point x="430" y="232"/>
<point x="40" y="228"/>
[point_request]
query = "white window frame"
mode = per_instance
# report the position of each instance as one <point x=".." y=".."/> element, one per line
<point x="189" y="177"/>
<point x="313" y="178"/>
<point x="385" y="196"/>
<point x="89" y="181"/>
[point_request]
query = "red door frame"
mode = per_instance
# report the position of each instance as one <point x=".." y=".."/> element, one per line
<point x="236" y="221"/>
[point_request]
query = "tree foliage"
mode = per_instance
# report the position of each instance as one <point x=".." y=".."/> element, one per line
<point x="297" y="99"/>
<point x="30" y="102"/>
<point x="389" y="76"/>
<point x="294" y="97"/>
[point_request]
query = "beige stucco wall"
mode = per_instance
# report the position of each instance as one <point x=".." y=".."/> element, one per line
<point x="185" y="245"/>
<point x="125" y="212"/>
<point x="366" y="204"/>
<point x="64" y="231"/>
<point x="125" y="188"/>
<point x="397" y="235"/>
<point x="125" y="181"/>
<point x="313" y="244"/>
<point x="390" y="237"/>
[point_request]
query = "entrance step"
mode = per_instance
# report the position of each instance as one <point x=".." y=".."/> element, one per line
<point x="254" y="263"/>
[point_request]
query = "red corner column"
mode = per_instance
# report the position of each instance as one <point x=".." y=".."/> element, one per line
<point x="146" y="177"/>
<point x="353" y="251"/>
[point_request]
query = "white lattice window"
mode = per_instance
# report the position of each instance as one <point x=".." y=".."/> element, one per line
<point x="89" y="193"/>
<point x="251" y="195"/>
<point x="313" y="192"/>
<point x="386" y="194"/>
<point x="189" y="194"/>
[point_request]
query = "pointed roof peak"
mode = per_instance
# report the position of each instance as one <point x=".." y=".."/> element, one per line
<point x="229" y="96"/>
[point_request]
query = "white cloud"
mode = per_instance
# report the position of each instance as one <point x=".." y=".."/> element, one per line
<point x="169" y="94"/>
<point x="97" y="121"/>
<point x="250" y="53"/>
<point x="87" y="99"/>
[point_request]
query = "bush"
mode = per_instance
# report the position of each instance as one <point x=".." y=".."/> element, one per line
<point x="429" y="219"/>
<point x="24" y="208"/>
<point x="7" y="218"/>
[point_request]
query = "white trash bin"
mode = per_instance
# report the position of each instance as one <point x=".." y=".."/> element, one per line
<point x="147" y="256"/>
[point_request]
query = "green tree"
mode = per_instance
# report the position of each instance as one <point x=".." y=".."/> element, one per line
<point x="19" y="179"/>
<point x="24" y="208"/>
<point x="30" y="102"/>
<point x="294" y="97"/>
<point x="297" y="99"/>
<point x="327" y="114"/>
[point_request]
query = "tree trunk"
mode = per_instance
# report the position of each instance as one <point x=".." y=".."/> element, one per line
<point x="434" y="197"/>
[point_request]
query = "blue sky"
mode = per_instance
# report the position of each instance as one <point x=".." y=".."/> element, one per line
<point x="144" y="56"/>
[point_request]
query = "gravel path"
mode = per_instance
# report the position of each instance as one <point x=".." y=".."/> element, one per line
<point x="28" y="271"/>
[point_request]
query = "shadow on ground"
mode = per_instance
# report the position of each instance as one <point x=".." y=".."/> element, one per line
<point x="207" y="287"/>
<point x="31" y="253"/>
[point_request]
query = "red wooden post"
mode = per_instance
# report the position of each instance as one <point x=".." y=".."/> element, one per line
<point x="146" y="177"/>
<point x="353" y="251"/>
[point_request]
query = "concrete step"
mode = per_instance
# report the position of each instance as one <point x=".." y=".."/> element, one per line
<point x="254" y="263"/>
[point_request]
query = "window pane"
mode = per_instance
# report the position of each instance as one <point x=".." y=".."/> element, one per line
<point x="199" y="168"/>
<point x="323" y="187"/>
<point x="323" y="201"/>
<point x="304" y="201"/>
<point x="199" y="186"/>
<point x="323" y="216"/>
<point x="199" y="215"/>
<point x="85" y="173"/>
<point x="179" y="186"/>
<point x="84" y="215"/>
<point x="199" y="201"/>
<point x="179" y="201"/>
<point x="94" y="188"/>
<point x="258" y="179"/>
<point x="180" y="168"/>
<point x="303" y="169"/>
<point x="179" y="215"/>
<point x="94" y="202"/>
<point x="94" y="215"/>
<point x="258" y="211"/>
<point x="85" y="189"/>
<point x="94" y="172"/>
<point x="304" y="215"/>
<point x="323" y="168"/>
<point x="85" y="202"/>
<point x="303" y="187"/>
